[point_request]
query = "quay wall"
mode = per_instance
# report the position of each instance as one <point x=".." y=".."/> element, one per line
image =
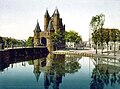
<point x="21" y="54"/>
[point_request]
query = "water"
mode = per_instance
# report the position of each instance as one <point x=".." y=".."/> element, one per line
<point x="61" y="72"/>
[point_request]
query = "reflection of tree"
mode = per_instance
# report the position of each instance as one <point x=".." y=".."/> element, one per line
<point x="97" y="82"/>
<point x="104" y="73"/>
<point x="67" y="65"/>
<point x="54" y="68"/>
<point x="59" y="66"/>
<point x="54" y="75"/>
<point x="118" y="78"/>
<point x="72" y="67"/>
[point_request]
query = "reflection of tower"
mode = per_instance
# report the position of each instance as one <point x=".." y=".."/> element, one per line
<point x="53" y="73"/>
<point x="57" y="79"/>
<point x="46" y="80"/>
<point x="53" y="78"/>
<point x="37" y="68"/>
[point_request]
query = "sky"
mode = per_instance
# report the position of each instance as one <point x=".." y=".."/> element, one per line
<point x="18" y="18"/>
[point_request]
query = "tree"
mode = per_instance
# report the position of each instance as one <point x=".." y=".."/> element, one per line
<point x="96" y="24"/>
<point x="7" y="42"/>
<point x="114" y="37"/>
<point x="107" y="37"/>
<point x="73" y="36"/>
<point x="1" y="40"/>
<point x="101" y="38"/>
<point x="29" y="42"/>
<point x="118" y="35"/>
<point x="95" y="38"/>
<point x="78" y="39"/>
<point x="58" y="38"/>
<point x="1" y="43"/>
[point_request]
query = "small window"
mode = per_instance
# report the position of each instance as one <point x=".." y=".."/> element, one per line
<point x="119" y="47"/>
<point x="110" y="47"/>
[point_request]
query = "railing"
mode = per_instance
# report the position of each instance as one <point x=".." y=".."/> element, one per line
<point x="21" y="47"/>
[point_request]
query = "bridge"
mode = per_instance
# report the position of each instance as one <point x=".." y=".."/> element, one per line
<point x="22" y="54"/>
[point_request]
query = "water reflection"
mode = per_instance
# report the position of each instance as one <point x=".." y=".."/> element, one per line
<point x="59" y="71"/>
<point x="56" y="67"/>
<point x="106" y="71"/>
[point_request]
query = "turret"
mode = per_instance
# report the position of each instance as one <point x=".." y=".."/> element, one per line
<point x="46" y="20"/>
<point x="56" y="19"/>
<point x="37" y="34"/>
<point x="37" y="28"/>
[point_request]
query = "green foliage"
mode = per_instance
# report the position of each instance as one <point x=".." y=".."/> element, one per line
<point x="30" y="62"/>
<point x="12" y="42"/>
<point x="114" y="33"/>
<point x="73" y="36"/>
<point x="29" y="42"/>
<point x="97" y="22"/>
<point x="67" y="66"/>
<point x="102" y="36"/>
<point x="111" y="34"/>
<point x="96" y="26"/>
<point x="119" y="35"/>
<point x="95" y="37"/>
<point x="72" y="66"/>
<point x="58" y="37"/>
<point x="106" y="33"/>
<point x="1" y="40"/>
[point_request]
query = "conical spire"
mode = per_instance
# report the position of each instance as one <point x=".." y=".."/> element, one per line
<point x="46" y="13"/>
<point x="37" y="28"/>
<point x="56" y="11"/>
<point x="37" y="74"/>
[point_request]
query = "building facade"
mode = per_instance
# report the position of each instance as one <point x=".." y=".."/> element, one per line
<point x="51" y="25"/>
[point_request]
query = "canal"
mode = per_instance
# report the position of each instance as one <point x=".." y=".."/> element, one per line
<point x="55" y="71"/>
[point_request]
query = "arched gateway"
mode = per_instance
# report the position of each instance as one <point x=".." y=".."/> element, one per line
<point x="51" y="25"/>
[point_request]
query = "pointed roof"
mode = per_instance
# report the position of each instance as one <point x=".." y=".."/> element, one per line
<point x="37" y="74"/>
<point x="46" y="13"/>
<point x="56" y="11"/>
<point x="37" y="28"/>
<point x="50" y="26"/>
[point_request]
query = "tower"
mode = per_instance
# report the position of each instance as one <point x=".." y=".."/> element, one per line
<point x="56" y="19"/>
<point x="51" y="25"/>
<point x="37" y="34"/>
<point x="46" y="20"/>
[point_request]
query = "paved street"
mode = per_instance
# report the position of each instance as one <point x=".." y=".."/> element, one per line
<point x="89" y="51"/>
